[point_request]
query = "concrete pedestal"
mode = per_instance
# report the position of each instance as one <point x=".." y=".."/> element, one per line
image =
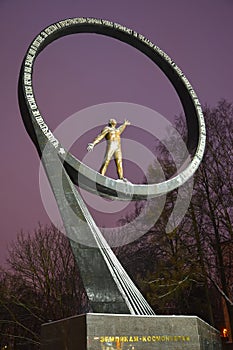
<point x="129" y="332"/>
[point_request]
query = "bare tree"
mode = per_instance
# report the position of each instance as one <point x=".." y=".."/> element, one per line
<point x="213" y="205"/>
<point x="192" y="267"/>
<point x="41" y="284"/>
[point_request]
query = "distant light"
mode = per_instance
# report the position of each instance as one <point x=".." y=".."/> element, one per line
<point x="225" y="332"/>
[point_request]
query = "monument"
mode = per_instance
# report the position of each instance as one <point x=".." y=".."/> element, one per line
<point x="120" y="317"/>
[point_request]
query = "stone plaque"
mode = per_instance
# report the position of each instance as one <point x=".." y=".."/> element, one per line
<point x="129" y="332"/>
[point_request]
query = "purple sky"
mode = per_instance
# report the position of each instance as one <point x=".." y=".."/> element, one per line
<point x="83" y="70"/>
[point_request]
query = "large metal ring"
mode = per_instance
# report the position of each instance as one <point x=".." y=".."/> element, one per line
<point x="81" y="174"/>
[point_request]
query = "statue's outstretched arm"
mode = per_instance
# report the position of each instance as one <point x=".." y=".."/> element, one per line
<point x="97" y="139"/>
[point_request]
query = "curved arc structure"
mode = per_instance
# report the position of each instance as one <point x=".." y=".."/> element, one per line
<point x="81" y="174"/>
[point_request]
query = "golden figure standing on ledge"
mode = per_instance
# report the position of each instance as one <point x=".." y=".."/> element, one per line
<point x="113" y="137"/>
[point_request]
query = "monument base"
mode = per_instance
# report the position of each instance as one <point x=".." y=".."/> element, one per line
<point x="129" y="332"/>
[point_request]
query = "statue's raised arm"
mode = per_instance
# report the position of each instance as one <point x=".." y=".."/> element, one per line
<point x="123" y="126"/>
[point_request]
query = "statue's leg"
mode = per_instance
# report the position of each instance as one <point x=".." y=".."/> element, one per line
<point x="104" y="167"/>
<point x="108" y="155"/>
<point x="118" y="160"/>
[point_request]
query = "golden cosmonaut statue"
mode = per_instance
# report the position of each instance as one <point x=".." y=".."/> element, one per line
<point x="113" y="137"/>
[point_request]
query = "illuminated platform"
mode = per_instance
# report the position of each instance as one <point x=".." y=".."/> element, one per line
<point x="129" y="332"/>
